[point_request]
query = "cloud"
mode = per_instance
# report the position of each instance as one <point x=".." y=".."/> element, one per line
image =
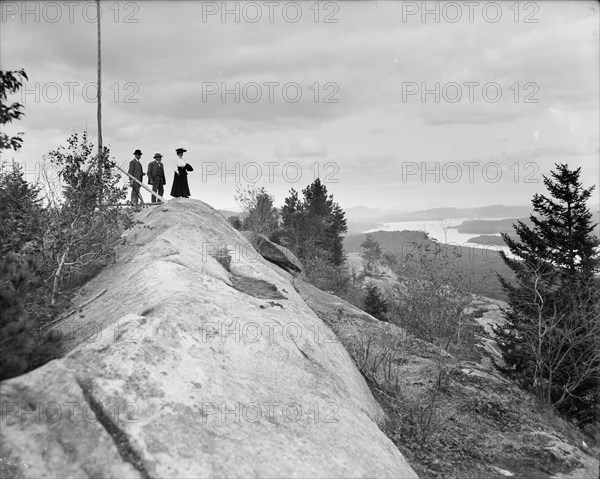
<point x="565" y="150"/>
<point x="171" y="56"/>
<point x="306" y="147"/>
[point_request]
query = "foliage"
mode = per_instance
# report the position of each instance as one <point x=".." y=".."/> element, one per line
<point x="79" y="237"/>
<point x="551" y="336"/>
<point x="236" y="222"/>
<point x="22" y="274"/>
<point x="381" y="364"/>
<point x="22" y="345"/>
<point x="51" y="245"/>
<point x="375" y="304"/>
<point x="334" y="279"/>
<point x="20" y="212"/>
<point x="371" y="255"/>
<point x="314" y="225"/>
<point x="261" y="217"/>
<point x="431" y="296"/>
<point x="10" y="83"/>
<point x="21" y="267"/>
<point x="390" y="260"/>
<point x="479" y="263"/>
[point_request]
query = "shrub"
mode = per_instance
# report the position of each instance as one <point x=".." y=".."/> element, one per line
<point x="334" y="279"/>
<point x="371" y="255"/>
<point x="22" y="346"/>
<point x="50" y="246"/>
<point x="80" y="236"/>
<point x="236" y="222"/>
<point x="375" y="304"/>
<point x="261" y="216"/>
<point x="431" y="297"/>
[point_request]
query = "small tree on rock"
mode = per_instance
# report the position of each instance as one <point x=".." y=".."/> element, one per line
<point x="371" y="255"/>
<point x="261" y="217"/>
<point x="375" y="303"/>
<point x="314" y="226"/>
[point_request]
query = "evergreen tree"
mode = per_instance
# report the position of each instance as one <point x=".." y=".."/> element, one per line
<point x="336" y="226"/>
<point x="20" y="212"/>
<point x="375" y="303"/>
<point x="21" y="238"/>
<point x="550" y="338"/>
<point x="314" y="225"/>
<point x="290" y="217"/>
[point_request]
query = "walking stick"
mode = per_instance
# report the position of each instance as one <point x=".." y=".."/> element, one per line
<point x="139" y="195"/>
<point x="141" y="184"/>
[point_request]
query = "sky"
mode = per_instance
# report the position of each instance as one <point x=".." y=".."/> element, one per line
<point x="394" y="105"/>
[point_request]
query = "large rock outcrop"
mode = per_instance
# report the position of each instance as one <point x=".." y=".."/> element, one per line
<point x="275" y="253"/>
<point x="188" y="365"/>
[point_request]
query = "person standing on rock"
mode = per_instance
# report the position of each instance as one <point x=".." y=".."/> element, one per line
<point x="180" y="182"/>
<point x="137" y="171"/>
<point x="156" y="176"/>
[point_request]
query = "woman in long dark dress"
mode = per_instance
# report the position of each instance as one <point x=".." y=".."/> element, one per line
<point x="180" y="186"/>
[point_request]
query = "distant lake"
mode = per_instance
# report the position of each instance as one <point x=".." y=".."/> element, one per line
<point x="436" y="231"/>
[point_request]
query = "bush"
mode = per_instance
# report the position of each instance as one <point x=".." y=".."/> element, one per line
<point x="261" y="216"/>
<point x="334" y="279"/>
<point x="80" y="237"/>
<point x="371" y="255"/>
<point x="421" y="415"/>
<point x="431" y="298"/>
<point x="50" y="247"/>
<point x="236" y="222"/>
<point x="375" y="304"/>
<point x="22" y="345"/>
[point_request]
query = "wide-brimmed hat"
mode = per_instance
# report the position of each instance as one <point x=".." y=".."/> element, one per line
<point x="183" y="150"/>
<point x="137" y="152"/>
<point x="157" y="155"/>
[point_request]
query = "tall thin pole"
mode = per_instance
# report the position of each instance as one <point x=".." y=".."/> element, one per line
<point x="99" y="99"/>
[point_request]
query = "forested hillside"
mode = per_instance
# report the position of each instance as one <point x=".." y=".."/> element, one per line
<point x="479" y="264"/>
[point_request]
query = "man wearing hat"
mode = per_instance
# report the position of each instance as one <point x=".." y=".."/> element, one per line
<point x="136" y="170"/>
<point x="156" y="176"/>
<point x="180" y="182"/>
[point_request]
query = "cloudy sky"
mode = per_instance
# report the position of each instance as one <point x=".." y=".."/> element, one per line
<point x="400" y="105"/>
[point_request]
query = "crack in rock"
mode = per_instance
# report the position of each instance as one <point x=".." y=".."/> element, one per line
<point x="120" y="439"/>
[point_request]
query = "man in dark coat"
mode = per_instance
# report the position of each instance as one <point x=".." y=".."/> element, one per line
<point x="156" y="176"/>
<point x="136" y="170"/>
<point x="181" y="167"/>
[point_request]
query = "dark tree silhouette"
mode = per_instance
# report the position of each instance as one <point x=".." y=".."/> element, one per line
<point x="550" y="340"/>
<point x="375" y="303"/>
<point x="314" y="226"/>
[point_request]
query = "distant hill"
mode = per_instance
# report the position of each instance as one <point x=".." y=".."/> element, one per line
<point x="478" y="263"/>
<point x="227" y="213"/>
<point x="493" y="211"/>
<point x="361" y="218"/>
<point x="362" y="213"/>
<point x="484" y="227"/>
